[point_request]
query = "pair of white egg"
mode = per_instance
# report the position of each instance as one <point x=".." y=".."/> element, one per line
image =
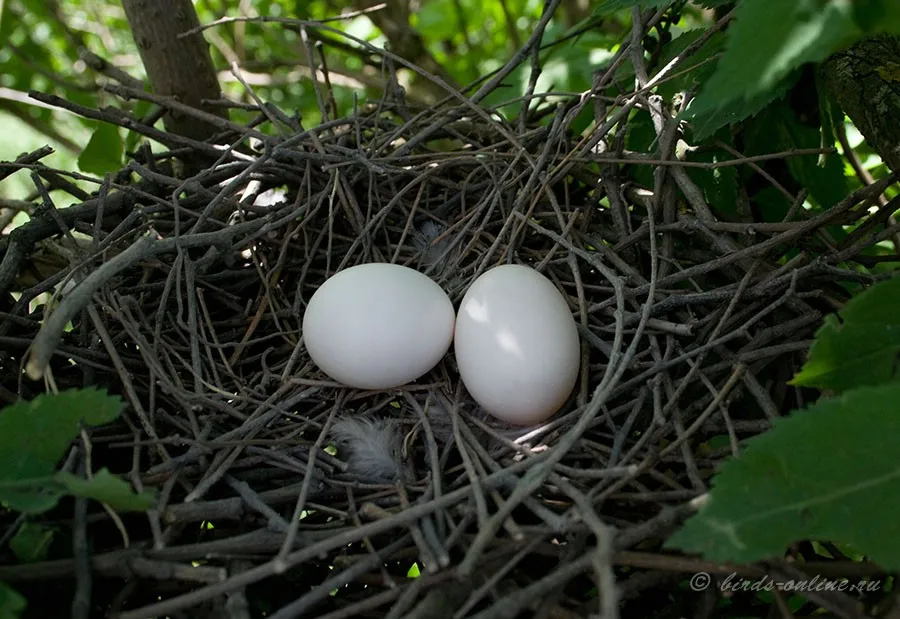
<point x="378" y="326"/>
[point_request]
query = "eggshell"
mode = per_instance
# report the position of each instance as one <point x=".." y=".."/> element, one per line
<point x="378" y="325"/>
<point x="516" y="345"/>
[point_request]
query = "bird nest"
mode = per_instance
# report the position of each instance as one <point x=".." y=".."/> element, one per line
<point x="284" y="494"/>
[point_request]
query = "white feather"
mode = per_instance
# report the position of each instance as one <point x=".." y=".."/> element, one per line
<point x="432" y="254"/>
<point x="370" y="447"/>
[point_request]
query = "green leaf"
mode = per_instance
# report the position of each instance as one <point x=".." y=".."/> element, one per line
<point x="826" y="473"/>
<point x="719" y="185"/>
<point x="133" y="138"/>
<point x="608" y="7"/>
<point x="11" y="602"/>
<point x="32" y="542"/>
<point x="31" y="496"/>
<point x="692" y="70"/>
<point x="877" y="16"/>
<point x="719" y="441"/>
<point x="859" y="348"/>
<point x="772" y="206"/>
<point x="778" y="129"/>
<point x="432" y="21"/>
<point x="640" y="136"/>
<point x="707" y="119"/>
<point x="107" y="488"/>
<point x="34" y="436"/>
<point x="103" y="152"/>
<point x="769" y="40"/>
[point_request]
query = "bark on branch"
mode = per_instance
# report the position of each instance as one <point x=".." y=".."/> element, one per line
<point x="865" y="81"/>
<point x="177" y="66"/>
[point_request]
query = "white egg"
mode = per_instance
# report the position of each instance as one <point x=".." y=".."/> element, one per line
<point x="378" y="326"/>
<point x="516" y="345"/>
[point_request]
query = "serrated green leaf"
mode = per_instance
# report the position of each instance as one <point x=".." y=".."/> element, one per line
<point x="827" y="473"/>
<point x="103" y="152"/>
<point x="861" y="347"/>
<point x="32" y="542"/>
<point x="768" y="41"/>
<point x="11" y="602"/>
<point x="692" y="70"/>
<point x="708" y="118"/>
<point x="105" y="487"/>
<point x="696" y="68"/>
<point x="34" y="436"/>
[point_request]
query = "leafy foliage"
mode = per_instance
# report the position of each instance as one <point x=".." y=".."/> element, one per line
<point x="828" y="472"/>
<point x="767" y="41"/>
<point x="103" y="152"/>
<point x="607" y="7"/>
<point x="707" y="120"/>
<point x="719" y="185"/>
<point x="11" y="602"/>
<point x="31" y="542"/>
<point x="778" y="129"/>
<point x="105" y="487"/>
<point x="859" y="346"/>
<point x="877" y="16"/>
<point x="33" y="438"/>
